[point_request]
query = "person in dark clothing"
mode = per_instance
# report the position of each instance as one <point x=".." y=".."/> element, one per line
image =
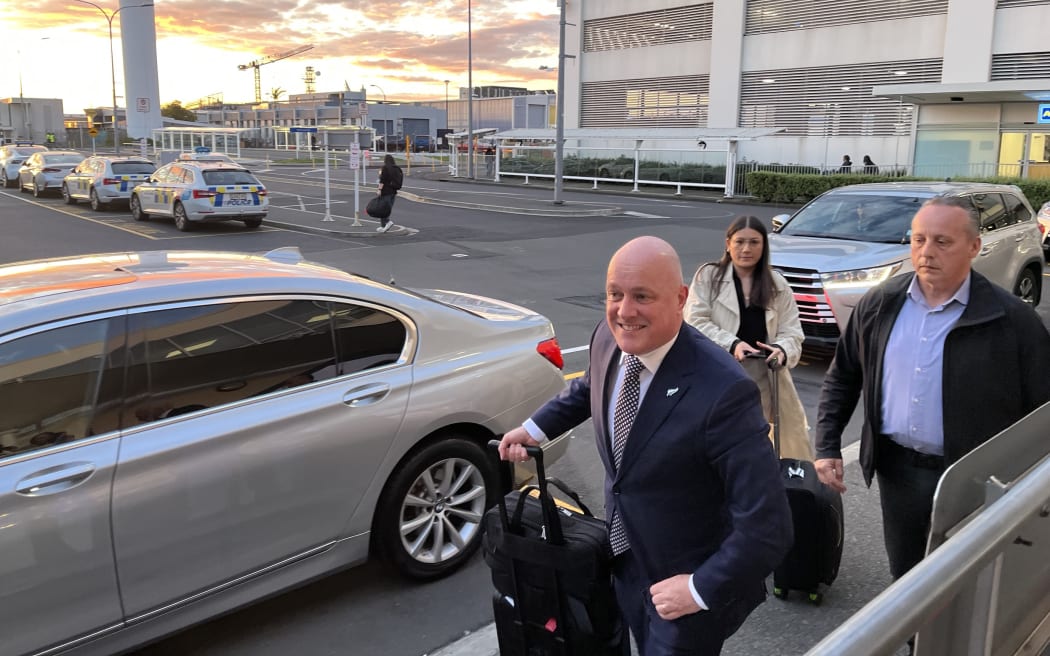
<point x="847" y="165"/>
<point x="913" y="349"/>
<point x="870" y="168"/>
<point x="390" y="177"/>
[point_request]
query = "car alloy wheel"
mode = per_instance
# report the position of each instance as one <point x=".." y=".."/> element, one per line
<point x="182" y="222"/>
<point x="96" y="204"/>
<point x="65" y="195"/>
<point x="37" y="191"/>
<point x="1028" y="289"/>
<point x="136" y="208"/>
<point x="8" y="182"/>
<point x="429" y="518"/>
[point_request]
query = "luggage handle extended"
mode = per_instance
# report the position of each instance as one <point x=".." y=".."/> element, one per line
<point x="550" y="516"/>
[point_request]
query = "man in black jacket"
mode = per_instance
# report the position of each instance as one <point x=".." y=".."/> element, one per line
<point x="945" y="360"/>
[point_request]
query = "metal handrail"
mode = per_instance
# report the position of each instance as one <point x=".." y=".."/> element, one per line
<point x="884" y="624"/>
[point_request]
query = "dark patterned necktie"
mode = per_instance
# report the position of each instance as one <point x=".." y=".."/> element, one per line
<point x="623" y="419"/>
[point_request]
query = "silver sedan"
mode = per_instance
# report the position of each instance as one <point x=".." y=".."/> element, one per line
<point x="45" y="171"/>
<point x="187" y="432"/>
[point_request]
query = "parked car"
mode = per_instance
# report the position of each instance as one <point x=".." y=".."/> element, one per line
<point x="1044" y="228"/>
<point x="11" y="159"/>
<point x="850" y="239"/>
<point x="194" y="192"/>
<point x="104" y="179"/>
<point x="45" y="170"/>
<point x="187" y="432"/>
<point x="208" y="157"/>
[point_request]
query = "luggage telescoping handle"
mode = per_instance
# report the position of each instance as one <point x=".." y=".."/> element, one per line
<point x="550" y="515"/>
<point x="774" y="401"/>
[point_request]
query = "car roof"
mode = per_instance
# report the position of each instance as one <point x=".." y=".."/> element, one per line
<point x="923" y="188"/>
<point x="38" y="291"/>
<point x="212" y="165"/>
<point x="121" y="158"/>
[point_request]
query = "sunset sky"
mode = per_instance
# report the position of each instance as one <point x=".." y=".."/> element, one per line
<point x="61" y="47"/>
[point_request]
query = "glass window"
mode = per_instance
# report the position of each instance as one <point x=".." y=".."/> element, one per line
<point x="128" y="168"/>
<point x="188" y="359"/>
<point x="993" y="211"/>
<point x="366" y="337"/>
<point x="60" y="385"/>
<point x="229" y="177"/>
<point x="1016" y="209"/>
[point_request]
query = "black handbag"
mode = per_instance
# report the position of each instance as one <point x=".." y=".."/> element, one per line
<point x="379" y="207"/>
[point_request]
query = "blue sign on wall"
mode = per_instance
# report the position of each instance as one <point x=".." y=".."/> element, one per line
<point x="1044" y="113"/>
<point x="202" y="150"/>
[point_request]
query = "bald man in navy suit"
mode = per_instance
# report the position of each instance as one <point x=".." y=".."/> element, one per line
<point x="696" y="509"/>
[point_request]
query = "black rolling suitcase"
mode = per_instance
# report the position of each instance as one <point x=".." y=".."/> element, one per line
<point x="816" y="513"/>
<point x="551" y="569"/>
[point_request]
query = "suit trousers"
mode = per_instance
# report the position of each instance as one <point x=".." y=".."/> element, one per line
<point x="699" y="634"/>
<point x="907" y="482"/>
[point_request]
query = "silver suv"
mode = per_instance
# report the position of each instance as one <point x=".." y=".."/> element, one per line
<point x="850" y="239"/>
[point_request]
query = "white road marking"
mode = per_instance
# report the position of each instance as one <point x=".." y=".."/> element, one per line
<point x="643" y="215"/>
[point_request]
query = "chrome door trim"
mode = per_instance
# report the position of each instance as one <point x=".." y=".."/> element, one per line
<point x="57" y="649"/>
<point x="142" y="617"/>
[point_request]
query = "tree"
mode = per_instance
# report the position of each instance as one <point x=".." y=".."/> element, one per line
<point x="276" y="93"/>
<point x="175" y="110"/>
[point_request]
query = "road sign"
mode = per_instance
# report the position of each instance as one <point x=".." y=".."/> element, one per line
<point x="355" y="156"/>
<point x="142" y="105"/>
<point x="1044" y="113"/>
<point x="202" y="150"/>
<point x="300" y="129"/>
<point x="93" y="131"/>
<point x="362" y="109"/>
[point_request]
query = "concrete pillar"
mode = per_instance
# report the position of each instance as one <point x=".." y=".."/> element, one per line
<point x="968" y="41"/>
<point x="727" y="48"/>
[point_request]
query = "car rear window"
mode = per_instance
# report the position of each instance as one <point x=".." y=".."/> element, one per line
<point x="63" y="159"/>
<point x="229" y="177"/>
<point x="128" y="168"/>
<point x="27" y="151"/>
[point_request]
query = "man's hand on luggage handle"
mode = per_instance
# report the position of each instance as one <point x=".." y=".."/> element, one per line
<point x="829" y="471"/>
<point x="672" y="598"/>
<point x="510" y="447"/>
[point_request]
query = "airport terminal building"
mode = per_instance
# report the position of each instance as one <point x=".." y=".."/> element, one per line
<point x="953" y="87"/>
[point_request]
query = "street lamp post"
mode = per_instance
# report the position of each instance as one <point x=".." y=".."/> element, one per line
<point x="386" y="136"/>
<point x="559" y="128"/>
<point x="470" y="98"/>
<point x="112" y="66"/>
<point x="446" y="103"/>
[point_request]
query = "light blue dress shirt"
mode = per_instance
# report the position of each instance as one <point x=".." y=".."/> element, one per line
<point x="913" y="369"/>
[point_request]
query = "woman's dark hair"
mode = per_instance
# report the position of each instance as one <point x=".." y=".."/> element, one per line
<point x="762" y="288"/>
<point x="388" y="160"/>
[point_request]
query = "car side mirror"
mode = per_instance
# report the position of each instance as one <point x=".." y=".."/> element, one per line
<point x="779" y="220"/>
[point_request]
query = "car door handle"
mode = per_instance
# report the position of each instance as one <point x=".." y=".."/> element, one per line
<point x="366" y="395"/>
<point x="55" y="479"/>
<point x="1019" y="237"/>
<point x="986" y="250"/>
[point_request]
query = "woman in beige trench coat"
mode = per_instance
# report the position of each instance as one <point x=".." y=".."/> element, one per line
<point x="745" y="307"/>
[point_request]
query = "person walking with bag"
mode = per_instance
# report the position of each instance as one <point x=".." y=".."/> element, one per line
<point x="390" y="179"/>
<point x="697" y="512"/>
<point x="748" y="309"/>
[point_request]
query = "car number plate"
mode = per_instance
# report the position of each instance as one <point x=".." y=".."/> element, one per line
<point x="238" y="199"/>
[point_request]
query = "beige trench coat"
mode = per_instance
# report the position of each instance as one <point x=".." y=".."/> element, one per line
<point x="719" y="319"/>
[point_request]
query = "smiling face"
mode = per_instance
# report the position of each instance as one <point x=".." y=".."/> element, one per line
<point x="644" y="295"/>
<point x="944" y="242"/>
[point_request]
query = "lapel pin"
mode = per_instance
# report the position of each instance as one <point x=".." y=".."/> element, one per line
<point x="671" y="391"/>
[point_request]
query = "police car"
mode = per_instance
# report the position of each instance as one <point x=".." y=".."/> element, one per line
<point x="104" y="179"/>
<point x="201" y="192"/>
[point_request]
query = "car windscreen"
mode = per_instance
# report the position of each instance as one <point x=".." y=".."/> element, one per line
<point x="858" y="217"/>
<point x="129" y="168"/>
<point x="27" y="151"/>
<point x="63" y="159"/>
<point x="229" y="177"/>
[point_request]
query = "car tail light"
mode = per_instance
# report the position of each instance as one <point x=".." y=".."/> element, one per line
<point x="549" y="349"/>
<point x="110" y="181"/>
<point x="204" y="193"/>
<point x="262" y="192"/>
<point x="51" y="170"/>
<point x="1042" y="229"/>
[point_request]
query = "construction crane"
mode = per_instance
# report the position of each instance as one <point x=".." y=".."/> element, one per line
<point x="269" y="59"/>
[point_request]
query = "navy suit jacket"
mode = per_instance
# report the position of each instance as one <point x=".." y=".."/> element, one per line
<point x="698" y="489"/>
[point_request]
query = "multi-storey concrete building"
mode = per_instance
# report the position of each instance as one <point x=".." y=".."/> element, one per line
<point x="951" y="86"/>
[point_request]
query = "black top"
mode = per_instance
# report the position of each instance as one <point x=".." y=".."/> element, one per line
<point x="752" y="318"/>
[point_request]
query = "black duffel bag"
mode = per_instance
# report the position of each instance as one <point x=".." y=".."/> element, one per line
<point x="380" y="207"/>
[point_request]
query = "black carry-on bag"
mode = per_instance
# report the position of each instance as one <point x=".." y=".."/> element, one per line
<point x="551" y="569"/>
<point x="816" y="513"/>
<point x="379" y="207"/>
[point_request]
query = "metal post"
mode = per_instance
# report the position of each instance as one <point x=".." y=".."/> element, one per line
<point x="327" y="188"/>
<point x="559" y="128"/>
<point x="470" y="99"/>
<point x="386" y="133"/>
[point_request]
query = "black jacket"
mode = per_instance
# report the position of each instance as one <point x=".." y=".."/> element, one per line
<point x="996" y="370"/>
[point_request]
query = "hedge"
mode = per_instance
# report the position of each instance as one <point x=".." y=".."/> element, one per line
<point x="794" y="187"/>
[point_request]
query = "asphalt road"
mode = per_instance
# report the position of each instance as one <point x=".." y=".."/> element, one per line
<point x="553" y="264"/>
